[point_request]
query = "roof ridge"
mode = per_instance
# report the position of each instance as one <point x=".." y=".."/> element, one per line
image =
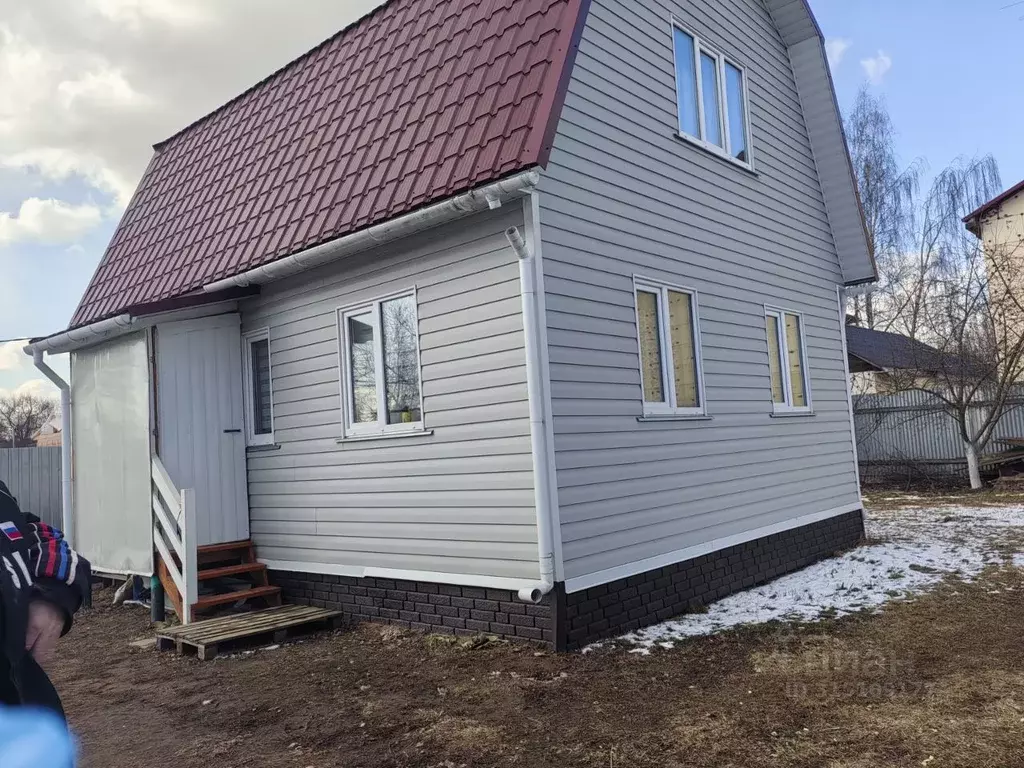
<point x="160" y="145"/>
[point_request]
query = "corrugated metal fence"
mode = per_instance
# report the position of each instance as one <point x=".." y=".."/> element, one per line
<point x="914" y="428"/>
<point x="34" y="477"/>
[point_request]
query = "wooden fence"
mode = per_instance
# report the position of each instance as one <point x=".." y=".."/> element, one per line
<point x="34" y="477"/>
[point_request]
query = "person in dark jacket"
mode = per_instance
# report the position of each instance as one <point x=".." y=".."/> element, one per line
<point x="43" y="582"/>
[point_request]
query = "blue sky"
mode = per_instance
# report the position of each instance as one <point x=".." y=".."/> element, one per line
<point x="88" y="87"/>
<point x="953" y="87"/>
<point x="86" y="97"/>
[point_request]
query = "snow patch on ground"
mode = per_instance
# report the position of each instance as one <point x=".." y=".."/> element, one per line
<point x="909" y="552"/>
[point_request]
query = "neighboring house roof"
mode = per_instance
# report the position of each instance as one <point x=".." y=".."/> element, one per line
<point x="891" y="351"/>
<point x="412" y="104"/>
<point x="871" y="350"/>
<point x="974" y="217"/>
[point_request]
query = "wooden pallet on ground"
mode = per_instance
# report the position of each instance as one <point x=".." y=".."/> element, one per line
<point x="204" y="638"/>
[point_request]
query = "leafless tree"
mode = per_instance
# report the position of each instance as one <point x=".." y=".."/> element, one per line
<point x="22" y="416"/>
<point x="965" y="301"/>
<point x="888" y="195"/>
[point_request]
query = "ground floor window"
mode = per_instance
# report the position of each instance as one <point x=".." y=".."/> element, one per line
<point x="259" y="395"/>
<point x="787" y="361"/>
<point x="669" y="336"/>
<point x="381" y="367"/>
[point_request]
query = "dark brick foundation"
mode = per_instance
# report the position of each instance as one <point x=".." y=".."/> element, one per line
<point x="647" y="598"/>
<point x="571" y="621"/>
<point x="435" y="608"/>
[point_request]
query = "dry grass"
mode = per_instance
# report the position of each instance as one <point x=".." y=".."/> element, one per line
<point x="937" y="681"/>
<point x="881" y="499"/>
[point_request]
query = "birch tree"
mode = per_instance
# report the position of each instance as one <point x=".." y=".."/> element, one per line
<point x="964" y="300"/>
<point x="888" y="195"/>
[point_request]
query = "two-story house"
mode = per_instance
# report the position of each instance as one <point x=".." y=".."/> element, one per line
<point x="510" y="316"/>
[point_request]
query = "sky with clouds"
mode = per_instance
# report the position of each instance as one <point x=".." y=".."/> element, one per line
<point x="87" y="87"/>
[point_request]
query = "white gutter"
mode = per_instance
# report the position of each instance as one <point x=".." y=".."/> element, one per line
<point x="64" y="342"/>
<point x="490" y="196"/>
<point x="65" y="443"/>
<point x="538" y="434"/>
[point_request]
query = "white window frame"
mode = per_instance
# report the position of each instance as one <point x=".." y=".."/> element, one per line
<point x="251" y="438"/>
<point x="779" y="313"/>
<point x="668" y="374"/>
<point x="349" y="429"/>
<point x="699" y="47"/>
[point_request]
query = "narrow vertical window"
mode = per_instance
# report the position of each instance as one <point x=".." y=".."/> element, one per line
<point x="736" y="111"/>
<point x="686" y="82"/>
<point x="711" y="98"/>
<point x="258" y="382"/>
<point x="712" y="108"/>
<point x="651" y="366"/>
<point x="670" y="367"/>
<point x="775" y="360"/>
<point x="363" y="368"/>
<point x="795" y="360"/>
<point x="381" y="360"/>
<point x="401" y="360"/>
<point x="787" y="361"/>
<point x="684" y="349"/>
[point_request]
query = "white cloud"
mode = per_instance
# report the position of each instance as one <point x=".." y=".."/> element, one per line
<point x="135" y="13"/>
<point x="38" y="387"/>
<point x="877" y="67"/>
<point x="62" y="164"/>
<point x="13" y="357"/>
<point x="48" y="222"/>
<point x="88" y="87"/>
<point x="836" y="48"/>
<point x="104" y="87"/>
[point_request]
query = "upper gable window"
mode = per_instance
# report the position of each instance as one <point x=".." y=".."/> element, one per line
<point x="711" y="93"/>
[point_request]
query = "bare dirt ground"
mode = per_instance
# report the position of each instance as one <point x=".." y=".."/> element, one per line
<point x="937" y="681"/>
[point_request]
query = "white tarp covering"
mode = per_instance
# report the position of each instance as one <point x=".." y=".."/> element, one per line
<point x="110" y="432"/>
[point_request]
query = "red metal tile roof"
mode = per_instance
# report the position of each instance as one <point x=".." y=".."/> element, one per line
<point x="418" y="101"/>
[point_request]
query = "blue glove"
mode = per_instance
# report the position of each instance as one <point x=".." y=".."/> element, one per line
<point x="34" y="738"/>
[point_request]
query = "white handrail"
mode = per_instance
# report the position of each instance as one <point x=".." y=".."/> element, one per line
<point x="174" y="536"/>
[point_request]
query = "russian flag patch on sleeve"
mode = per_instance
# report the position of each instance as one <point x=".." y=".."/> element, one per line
<point x="11" y="531"/>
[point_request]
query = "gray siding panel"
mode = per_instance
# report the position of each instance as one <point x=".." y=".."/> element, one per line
<point x="623" y="195"/>
<point x="458" y="501"/>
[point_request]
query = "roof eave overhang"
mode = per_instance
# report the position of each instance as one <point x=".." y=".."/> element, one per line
<point x="863" y="365"/>
<point x="487" y="197"/>
<point x="800" y="32"/>
<point x="138" y="318"/>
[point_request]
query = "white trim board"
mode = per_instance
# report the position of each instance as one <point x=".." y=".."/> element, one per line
<point x="580" y="583"/>
<point x="362" y="572"/>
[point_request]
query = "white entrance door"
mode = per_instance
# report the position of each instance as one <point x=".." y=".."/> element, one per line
<point x="200" y="432"/>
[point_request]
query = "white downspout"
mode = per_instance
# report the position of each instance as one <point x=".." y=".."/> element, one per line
<point x="65" y="442"/>
<point x="538" y="440"/>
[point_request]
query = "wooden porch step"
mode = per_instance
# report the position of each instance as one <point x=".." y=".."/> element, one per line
<point x="229" y="546"/>
<point x="209" y="601"/>
<point x="230" y="570"/>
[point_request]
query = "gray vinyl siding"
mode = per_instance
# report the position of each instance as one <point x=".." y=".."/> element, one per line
<point x="459" y="501"/>
<point x="623" y="195"/>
